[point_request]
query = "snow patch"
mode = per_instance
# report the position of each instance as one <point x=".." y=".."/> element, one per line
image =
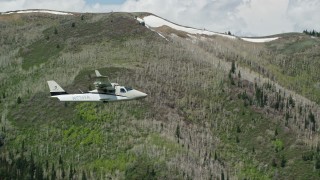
<point x="260" y="40"/>
<point x="162" y="36"/>
<point x="154" y="21"/>
<point x="142" y="21"/>
<point x="37" y="11"/>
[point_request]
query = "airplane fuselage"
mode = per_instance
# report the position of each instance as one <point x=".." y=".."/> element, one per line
<point x="91" y="97"/>
<point x="104" y="92"/>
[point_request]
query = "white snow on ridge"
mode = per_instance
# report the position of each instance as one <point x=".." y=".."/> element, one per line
<point x="260" y="40"/>
<point x="154" y="21"/>
<point x="37" y="11"/>
<point x="140" y="20"/>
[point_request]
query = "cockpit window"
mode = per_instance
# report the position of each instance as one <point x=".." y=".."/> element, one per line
<point x="128" y="88"/>
<point x="122" y="90"/>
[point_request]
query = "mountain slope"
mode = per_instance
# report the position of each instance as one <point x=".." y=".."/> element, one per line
<point x="216" y="107"/>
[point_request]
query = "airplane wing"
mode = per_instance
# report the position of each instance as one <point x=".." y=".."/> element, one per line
<point x="102" y="86"/>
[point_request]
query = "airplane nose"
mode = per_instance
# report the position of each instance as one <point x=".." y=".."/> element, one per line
<point x="143" y="95"/>
<point x="138" y="94"/>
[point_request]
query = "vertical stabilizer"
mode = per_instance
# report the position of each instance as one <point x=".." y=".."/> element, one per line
<point x="99" y="75"/>
<point x="55" y="89"/>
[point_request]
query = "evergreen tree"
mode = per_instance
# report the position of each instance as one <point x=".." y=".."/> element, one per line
<point x="259" y="96"/>
<point x="312" y="33"/>
<point x="231" y="78"/>
<point x="32" y="167"/>
<point x="55" y="31"/>
<point x="63" y="174"/>
<point x="237" y="139"/>
<point x="281" y="106"/>
<point x="308" y="156"/>
<point x="238" y="129"/>
<point x="265" y="100"/>
<point x="19" y="100"/>
<point x="53" y="172"/>
<point x="274" y="163"/>
<point x="287" y="116"/>
<point x="291" y="101"/>
<point x="70" y="172"/>
<point x="312" y="120"/>
<point x="84" y="177"/>
<point x="47" y="165"/>
<point x="317" y="162"/>
<point x="21" y="163"/>
<point x="283" y="161"/>
<point x="222" y="175"/>
<point x="306" y="123"/>
<point x="311" y="117"/>
<point x="178" y="132"/>
<point x="233" y="67"/>
<point x="60" y="160"/>
<point x="39" y="173"/>
<point x="215" y="155"/>
<point x="22" y="147"/>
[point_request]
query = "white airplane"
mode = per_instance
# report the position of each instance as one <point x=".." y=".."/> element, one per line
<point x="104" y="92"/>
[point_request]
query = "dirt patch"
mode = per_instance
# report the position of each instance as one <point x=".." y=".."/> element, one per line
<point x="10" y="17"/>
<point x="168" y="30"/>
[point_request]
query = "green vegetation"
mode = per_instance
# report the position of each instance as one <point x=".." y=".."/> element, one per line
<point x="294" y="64"/>
<point x="312" y="33"/>
<point x="39" y="52"/>
<point x="205" y="117"/>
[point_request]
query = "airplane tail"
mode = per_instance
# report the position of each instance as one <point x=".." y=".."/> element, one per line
<point x="55" y="89"/>
<point x="99" y="75"/>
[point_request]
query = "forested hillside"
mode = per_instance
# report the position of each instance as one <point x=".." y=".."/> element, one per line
<point x="217" y="108"/>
